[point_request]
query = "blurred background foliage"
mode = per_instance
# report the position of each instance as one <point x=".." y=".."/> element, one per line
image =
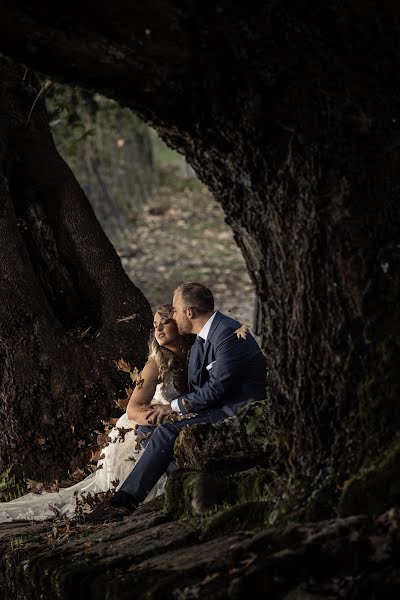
<point x="113" y="154"/>
<point x="164" y="224"/>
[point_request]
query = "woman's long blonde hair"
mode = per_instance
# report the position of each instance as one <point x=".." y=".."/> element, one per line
<point x="168" y="363"/>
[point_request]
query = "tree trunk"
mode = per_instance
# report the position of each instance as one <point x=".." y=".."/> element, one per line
<point x="291" y="119"/>
<point x="67" y="308"/>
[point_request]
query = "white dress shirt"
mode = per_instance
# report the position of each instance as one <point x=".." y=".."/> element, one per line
<point x="203" y="333"/>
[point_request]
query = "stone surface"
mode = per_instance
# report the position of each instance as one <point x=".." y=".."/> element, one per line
<point x="242" y="440"/>
<point x="148" y="555"/>
<point x="190" y="492"/>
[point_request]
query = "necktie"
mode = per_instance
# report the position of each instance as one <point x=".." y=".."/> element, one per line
<point x="200" y="351"/>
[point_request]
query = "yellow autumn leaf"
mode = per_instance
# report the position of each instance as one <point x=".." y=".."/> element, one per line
<point x="134" y="374"/>
<point x="242" y="331"/>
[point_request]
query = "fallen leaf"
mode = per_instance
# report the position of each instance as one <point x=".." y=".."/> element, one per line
<point x="52" y="487"/>
<point x="140" y="438"/>
<point x="35" y="487"/>
<point x="122" y="365"/>
<point x="103" y="439"/>
<point x="134" y="373"/>
<point x="139" y="382"/>
<point x="242" y="331"/>
<point x="123" y="402"/>
<point x="78" y="474"/>
<point x="95" y="456"/>
<point x="60" y="529"/>
<point x="130" y="318"/>
<point x="122" y="431"/>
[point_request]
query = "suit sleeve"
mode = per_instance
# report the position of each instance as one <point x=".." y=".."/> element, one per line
<point x="231" y="357"/>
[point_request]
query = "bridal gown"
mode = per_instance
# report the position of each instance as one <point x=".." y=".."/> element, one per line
<point x="120" y="456"/>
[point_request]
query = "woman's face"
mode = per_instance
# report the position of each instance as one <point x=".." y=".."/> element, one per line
<point x="165" y="329"/>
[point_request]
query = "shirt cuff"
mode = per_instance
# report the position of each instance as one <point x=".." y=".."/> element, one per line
<point x="182" y="407"/>
<point x="175" y="406"/>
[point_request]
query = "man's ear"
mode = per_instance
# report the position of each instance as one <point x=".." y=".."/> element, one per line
<point x="189" y="313"/>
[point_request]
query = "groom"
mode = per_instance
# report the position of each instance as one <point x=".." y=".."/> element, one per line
<point x="226" y="370"/>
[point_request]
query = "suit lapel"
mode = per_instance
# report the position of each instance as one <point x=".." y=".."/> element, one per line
<point x="214" y="325"/>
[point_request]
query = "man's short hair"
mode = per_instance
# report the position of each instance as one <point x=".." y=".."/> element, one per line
<point x="197" y="296"/>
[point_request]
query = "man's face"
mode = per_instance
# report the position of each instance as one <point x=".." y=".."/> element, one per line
<point x="184" y="324"/>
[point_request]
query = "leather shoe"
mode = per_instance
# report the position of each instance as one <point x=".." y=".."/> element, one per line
<point x="105" y="512"/>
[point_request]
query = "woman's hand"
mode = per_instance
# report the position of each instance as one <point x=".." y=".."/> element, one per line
<point x="157" y="414"/>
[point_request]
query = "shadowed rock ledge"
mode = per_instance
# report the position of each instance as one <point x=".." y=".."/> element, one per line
<point x="150" y="555"/>
<point x="226" y="528"/>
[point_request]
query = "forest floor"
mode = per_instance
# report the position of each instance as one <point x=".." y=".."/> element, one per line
<point x="181" y="235"/>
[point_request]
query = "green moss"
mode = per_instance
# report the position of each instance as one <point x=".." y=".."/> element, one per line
<point x="10" y="487"/>
<point x="375" y="488"/>
<point x="252" y="485"/>
<point x="322" y="502"/>
<point x="370" y="430"/>
<point x="179" y="492"/>
<point x="190" y="493"/>
<point x="251" y="516"/>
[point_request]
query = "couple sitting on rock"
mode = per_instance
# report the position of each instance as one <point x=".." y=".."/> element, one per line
<point x="225" y="370"/>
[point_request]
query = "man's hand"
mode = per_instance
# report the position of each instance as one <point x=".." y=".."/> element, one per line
<point x="158" y="413"/>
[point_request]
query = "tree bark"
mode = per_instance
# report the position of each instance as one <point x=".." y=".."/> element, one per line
<point x="289" y="113"/>
<point x="63" y="300"/>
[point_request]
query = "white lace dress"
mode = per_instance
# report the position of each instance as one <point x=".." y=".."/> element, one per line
<point x="120" y="456"/>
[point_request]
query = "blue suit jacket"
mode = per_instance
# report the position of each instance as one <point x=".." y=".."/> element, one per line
<point x="236" y="370"/>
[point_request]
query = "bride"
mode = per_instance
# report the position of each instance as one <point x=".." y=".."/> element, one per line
<point x="163" y="378"/>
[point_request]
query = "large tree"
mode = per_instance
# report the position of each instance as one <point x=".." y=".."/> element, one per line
<point x="289" y="112"/>
<point x="68" y="311"/>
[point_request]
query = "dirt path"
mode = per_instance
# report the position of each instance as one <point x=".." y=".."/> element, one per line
<point x="182" y="236"/>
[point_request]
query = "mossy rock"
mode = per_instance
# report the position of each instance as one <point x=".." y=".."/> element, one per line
<point x="194" y="492"/>
<point x="191" y="493"/>
<point x="250" y="516"/>
<point x="244" y="439"/>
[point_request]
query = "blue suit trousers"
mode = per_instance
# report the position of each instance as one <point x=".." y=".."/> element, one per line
<point x="158" y="456"/>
